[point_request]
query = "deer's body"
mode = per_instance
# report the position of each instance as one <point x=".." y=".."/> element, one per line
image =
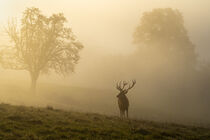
<point x="123" y="102"/>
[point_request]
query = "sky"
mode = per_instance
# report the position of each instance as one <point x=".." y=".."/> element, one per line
<point x="106" y="26"/>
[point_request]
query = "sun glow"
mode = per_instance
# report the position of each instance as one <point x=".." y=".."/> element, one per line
<point x="3" y="5"/>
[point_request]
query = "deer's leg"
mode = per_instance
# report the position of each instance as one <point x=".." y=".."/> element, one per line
<point x="127" y="113"/>
<point x="121" y="114"/>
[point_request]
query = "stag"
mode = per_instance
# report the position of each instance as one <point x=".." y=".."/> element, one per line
<point x="122" y="98"/>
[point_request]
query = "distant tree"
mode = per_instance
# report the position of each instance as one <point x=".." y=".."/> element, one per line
<point x="162" y="32"/>
<point x="40" y="45"/>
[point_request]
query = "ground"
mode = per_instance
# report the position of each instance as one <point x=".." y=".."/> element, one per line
<point x="29" y="123"/>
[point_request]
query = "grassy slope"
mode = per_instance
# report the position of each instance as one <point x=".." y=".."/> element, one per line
<point x="150" y="107"/>
<point x="28" y="123"/>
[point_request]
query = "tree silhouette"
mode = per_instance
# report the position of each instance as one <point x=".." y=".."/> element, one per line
<point x="40" y="45"/>
<point x="162" y="32"/>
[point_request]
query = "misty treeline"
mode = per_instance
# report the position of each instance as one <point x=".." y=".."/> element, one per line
<point x="170" y="77"/>
<point x="41" y="45"/>
<point x="165" y="63"/>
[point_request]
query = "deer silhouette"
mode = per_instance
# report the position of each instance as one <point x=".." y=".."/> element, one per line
<point x="122" y="98"/>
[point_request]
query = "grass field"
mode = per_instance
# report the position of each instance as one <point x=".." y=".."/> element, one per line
<point x="29" y="123"/>
<point x="144" y="106"/>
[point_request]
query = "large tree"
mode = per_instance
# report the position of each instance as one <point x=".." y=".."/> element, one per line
<point x="161" y="32"/>
<point x="41" y="44"/>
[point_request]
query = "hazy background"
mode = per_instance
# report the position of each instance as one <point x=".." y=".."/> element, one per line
<point x="105" y="28"/>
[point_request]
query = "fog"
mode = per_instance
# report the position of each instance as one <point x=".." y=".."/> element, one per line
<point x="106" y="30"/>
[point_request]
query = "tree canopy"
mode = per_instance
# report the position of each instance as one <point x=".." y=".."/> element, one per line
<point x="163" y="31"/>
<point x="41" y="44"/>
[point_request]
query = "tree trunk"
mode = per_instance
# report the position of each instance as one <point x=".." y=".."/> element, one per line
<point x="34" y="77"/>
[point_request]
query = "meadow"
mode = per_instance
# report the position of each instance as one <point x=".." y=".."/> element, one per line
<point x="30" y="123"/>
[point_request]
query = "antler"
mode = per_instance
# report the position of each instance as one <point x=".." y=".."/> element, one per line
<point x="117" y="85"/>
<point x="131" y="86"/>
<point x="121" y="85"/>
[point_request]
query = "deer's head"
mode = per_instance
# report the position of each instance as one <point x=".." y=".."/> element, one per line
<point x="121" y="86"/>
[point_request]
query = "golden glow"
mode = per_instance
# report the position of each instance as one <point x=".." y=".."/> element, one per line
<point x="105" y="27"/>
<point x="110" y="22"/>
